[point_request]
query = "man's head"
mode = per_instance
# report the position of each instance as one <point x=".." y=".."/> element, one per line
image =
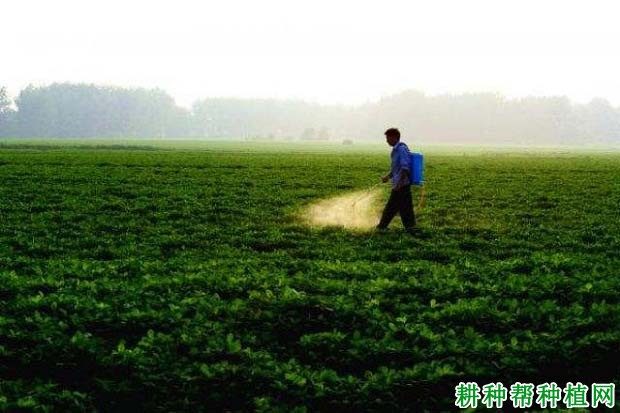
<point x="392" y="136"/>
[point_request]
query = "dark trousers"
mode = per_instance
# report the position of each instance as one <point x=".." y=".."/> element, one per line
<point x="400" y="202"/>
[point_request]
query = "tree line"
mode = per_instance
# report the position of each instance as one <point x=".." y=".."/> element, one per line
<point x="66" y="110"/>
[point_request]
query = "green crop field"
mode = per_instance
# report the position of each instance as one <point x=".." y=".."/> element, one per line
<point x="163" y="279"/>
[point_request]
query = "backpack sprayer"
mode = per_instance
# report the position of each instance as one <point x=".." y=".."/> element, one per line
<point x="416" y="178"/>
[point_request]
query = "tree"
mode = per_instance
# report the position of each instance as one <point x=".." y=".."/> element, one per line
<point x="7" y="114"/>
<point x="79" y="110"/>
<point x="323" y="134"/>
<point x="308" y="134"/>
<point x="5" y="101"/>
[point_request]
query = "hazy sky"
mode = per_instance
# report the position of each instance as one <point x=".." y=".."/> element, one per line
<point x="326" y="51"/>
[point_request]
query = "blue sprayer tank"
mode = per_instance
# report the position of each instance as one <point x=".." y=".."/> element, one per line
<point x="417" y="168"/>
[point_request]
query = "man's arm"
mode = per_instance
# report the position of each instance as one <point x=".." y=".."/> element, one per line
<point x="387" y="177"/>
<point x="404" y="174"/>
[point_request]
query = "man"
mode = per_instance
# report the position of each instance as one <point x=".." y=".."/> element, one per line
<point x="400" y="197"/>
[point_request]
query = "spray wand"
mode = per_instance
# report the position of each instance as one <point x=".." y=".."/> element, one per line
<point x="366" y="194"/>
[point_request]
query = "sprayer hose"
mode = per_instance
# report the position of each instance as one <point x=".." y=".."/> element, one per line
<point x="418" y="207"/>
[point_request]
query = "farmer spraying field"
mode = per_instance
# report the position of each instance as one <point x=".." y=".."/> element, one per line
<point x="400" y="173"/>
<point x="357" y="210"/>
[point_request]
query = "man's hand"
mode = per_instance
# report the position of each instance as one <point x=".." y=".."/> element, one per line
<point x="385" y="178"/>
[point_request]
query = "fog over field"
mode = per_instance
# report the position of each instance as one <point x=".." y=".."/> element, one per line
<point x="89" y="111"/>
<point x="479" y="72"/>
